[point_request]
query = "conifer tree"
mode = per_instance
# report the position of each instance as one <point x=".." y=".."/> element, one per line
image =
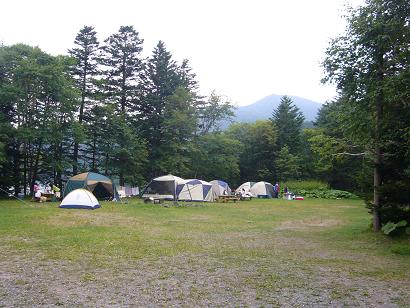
<point x="121" y="66"/>
<point x="160" y="81"/>
<point x="84" y="70"/>
<point x="288" y="120"/>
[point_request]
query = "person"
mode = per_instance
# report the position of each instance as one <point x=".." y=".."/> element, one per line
<point x="37" y="195"/>
<point x="35" y="187"/>
<point x="56" y="191"/>
<point x="276" y="190"/>
<point x="285" y="192"/>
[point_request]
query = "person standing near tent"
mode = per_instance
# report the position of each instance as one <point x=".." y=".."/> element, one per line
<point x="276" y="190"/>
<point x="35" y="188"/>
<point x="56" y="191"/>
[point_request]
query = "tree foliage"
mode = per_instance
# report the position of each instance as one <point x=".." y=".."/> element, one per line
<point x="369" y="65"/>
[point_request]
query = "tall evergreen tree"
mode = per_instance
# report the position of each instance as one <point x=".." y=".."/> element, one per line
<point x="160" y="81"/>
<point x="288" y="120"/>
<point x="122" y="64"/>
<point x="84" y="70"/>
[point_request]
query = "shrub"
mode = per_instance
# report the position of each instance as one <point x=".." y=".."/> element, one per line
<point x="326" y="194"/>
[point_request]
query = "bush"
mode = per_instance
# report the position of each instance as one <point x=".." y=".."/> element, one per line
<point x="326" y="194"/>
<point x="317" y="189"/>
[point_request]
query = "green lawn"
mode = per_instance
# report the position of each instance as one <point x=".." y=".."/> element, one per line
<point x="253" y="253"/>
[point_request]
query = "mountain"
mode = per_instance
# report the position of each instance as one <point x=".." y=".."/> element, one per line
<point x="262" y="109"/>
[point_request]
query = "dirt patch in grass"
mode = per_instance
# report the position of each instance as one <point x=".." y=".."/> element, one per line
<point x="188" y="280"/>
<point x="78" y="218"/>
<point x="308" y="224"/>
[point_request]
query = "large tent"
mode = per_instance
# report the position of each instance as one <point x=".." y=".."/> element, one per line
<point x="80" y="199"/>
<point x="195" y="190"/>
<point x="262" y="190"/>
<point x="101" y="186"/>
<point x="163" y="187"/>
<point x="220" y="188"/>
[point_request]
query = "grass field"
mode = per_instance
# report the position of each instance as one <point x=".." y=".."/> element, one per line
<point x="253" y="253"/>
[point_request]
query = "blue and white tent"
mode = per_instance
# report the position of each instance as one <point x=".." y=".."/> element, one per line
<point x="194" y="190"/>
<point x="80" y="199"/>
<point x="220" y="188"/>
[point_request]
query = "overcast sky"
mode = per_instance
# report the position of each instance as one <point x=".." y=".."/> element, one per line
<point x="244" y="50"/>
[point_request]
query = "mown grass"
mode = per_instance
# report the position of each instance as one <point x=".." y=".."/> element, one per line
<point x="275" y="240"/>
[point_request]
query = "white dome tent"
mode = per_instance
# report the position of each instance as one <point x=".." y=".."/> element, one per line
<point x="262" y="190"/>
<point x="195" y="190"/>
<point x="80" y="199"/>
<point x="245" y="188"/>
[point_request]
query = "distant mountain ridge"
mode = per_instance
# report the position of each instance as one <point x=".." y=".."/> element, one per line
<point x="263" y="108"/>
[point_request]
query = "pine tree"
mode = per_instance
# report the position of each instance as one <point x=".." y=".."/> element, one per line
<point x="122" y="64"/>
<point x="160" y="80"/>
<point x="288" y="120"/>
<point x="84" y="70"/>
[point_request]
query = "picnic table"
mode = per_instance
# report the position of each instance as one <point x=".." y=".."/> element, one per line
<point x="49" y="196"/>
<point x="227" y="198"/>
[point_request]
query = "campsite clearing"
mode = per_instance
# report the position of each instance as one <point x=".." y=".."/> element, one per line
<point x="264" y="252"/>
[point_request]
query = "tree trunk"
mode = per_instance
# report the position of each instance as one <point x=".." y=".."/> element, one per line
<point x="25" y="169"/>
<point x="16" y="168"/>
<point x="377" y="176"/>
<point x="75" y="158"/>
<point x="80" y="116"/>
<point x="35" y="167"/>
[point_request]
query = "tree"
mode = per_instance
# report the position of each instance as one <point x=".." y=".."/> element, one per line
<point x="178" y="129"/>
<point x="366" y="64"/>
<point x="160" y="80"/>
<point x="122" y="68"/>
<point x="37" y="101"/>
<point x="258" y="155"/>
<point x="287" y="165"/>
<point x="217" y="156"/>
<point x="84" y="70"/>
<point x="213" y="112"/>
<point x="288" y="120"/>
<point x="122" y="65"/>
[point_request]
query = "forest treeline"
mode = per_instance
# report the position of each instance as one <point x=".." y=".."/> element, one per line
<point x="106" y="108"/>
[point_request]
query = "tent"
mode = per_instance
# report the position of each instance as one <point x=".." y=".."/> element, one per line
<point x="262" y="190"/>
<point x="163" y="187"/>
<point x="246" y="187"/>
<point x="80" y="199"/>
<point x="101" y="186"/>
<point x="219" y="188"/>
<point x="195" y="190"/>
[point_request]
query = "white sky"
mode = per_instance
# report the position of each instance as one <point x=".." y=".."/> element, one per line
<point x="244" y="50"/>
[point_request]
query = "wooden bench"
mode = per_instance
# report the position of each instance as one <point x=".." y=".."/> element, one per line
<point x="227" y="198"/>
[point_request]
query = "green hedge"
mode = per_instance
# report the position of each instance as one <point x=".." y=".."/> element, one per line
<point x="317" y="189"/>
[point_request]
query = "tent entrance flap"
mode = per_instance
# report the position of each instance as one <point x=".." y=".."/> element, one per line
<point x="101" y="191"/>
